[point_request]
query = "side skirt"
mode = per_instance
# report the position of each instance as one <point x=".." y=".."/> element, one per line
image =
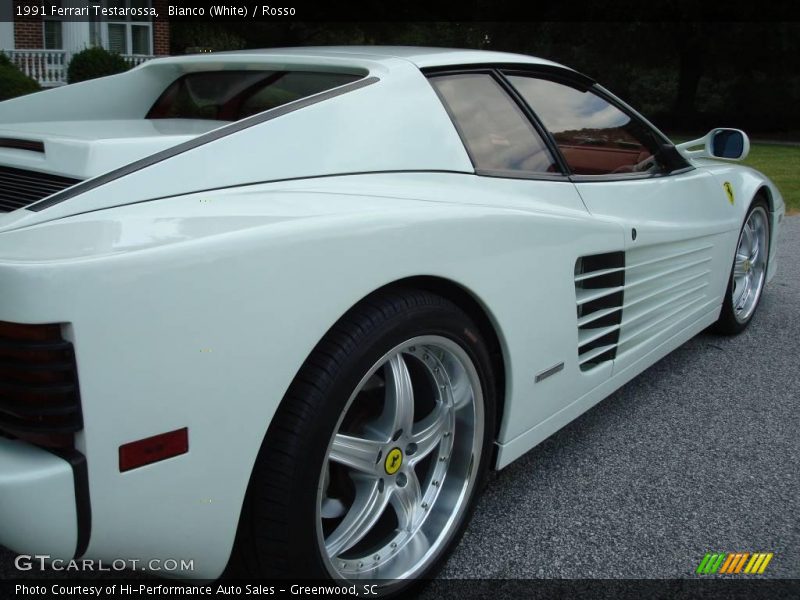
<point x="512" y="450"/>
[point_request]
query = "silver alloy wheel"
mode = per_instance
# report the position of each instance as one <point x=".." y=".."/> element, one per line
<point x="402" y="462"/>
<point x="750" y="264"/>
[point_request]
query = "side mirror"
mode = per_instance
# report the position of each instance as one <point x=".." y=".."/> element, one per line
<point x="727" y="144"/>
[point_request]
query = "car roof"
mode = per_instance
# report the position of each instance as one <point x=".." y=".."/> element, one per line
<point x="420" y="56"/>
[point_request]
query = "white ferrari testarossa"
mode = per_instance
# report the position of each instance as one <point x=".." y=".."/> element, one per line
<point x="279" y="312"/>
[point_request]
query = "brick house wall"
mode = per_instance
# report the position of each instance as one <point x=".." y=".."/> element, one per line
<point x="161" y="29"/>
<point x="28" y="31"/>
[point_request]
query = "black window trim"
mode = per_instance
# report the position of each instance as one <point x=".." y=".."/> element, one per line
<point x="577" y="79"/>
<point x="512" y="94"/>
<point x="531" y="175"/>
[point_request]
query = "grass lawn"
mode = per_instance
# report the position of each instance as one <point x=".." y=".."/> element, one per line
<point x="780" y="163"/>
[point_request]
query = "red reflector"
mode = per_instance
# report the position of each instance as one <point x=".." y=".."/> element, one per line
<point x="153" y="449"/>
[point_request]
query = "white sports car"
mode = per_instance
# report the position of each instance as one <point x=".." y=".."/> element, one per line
<point x="278" y="313"/>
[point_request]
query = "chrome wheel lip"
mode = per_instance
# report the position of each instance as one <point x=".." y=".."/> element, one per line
<point x="750" y="265"/>
<point x="410" y="553"/>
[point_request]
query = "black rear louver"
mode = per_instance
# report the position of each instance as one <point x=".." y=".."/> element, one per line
<point x="20" y="188"/>
<point x="599" y="291"/>
<point x="39" y="396"/>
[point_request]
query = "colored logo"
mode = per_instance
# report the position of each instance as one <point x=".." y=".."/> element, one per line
<point x="393" y="461"/>
<point x="728" y="190"/>
<point x="734" y="563"/>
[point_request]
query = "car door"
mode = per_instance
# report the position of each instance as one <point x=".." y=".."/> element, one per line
<point x="679" y="226"/>
<point x="516" y="168"/>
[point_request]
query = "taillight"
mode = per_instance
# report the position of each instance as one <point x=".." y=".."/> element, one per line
<point x="39" y="396"/>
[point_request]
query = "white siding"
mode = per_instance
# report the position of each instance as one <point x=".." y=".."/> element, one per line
<point x="6" y="26"/>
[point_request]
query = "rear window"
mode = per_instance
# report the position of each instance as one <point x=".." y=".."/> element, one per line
<point x="234" y="95"/>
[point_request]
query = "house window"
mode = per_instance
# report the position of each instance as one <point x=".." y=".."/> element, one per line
<point x="53" y="35"/>
<point x="130" y="34"/>
<point x="95" y="32"/>
<point x="53" y="29"/>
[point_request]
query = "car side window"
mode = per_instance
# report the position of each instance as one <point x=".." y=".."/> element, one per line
<point x="497" y="134"/>
<point x="594" y="136"/>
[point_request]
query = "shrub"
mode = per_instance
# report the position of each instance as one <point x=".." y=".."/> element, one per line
<point x="93" y="63"/>
<point x="14" y="82"/>
<point x="192" y="37"/>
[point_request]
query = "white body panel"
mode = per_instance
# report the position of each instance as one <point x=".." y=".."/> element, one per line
<point x="85" y="149"/>
<point x="37" y="501"/>
<point x="677" y="261"/>
<point x="197" y="309"/>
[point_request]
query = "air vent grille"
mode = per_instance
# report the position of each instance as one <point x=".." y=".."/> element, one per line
<point x="599" y="291"/>
<point x="664" y="284"/>
<point x="20" y="188"/>
<point x="625" y="300"/>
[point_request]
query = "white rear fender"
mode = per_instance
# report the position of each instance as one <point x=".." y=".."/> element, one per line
<point x="161" y="344"/>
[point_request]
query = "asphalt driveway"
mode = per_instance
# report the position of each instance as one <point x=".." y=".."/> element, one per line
<point x="698" y="454"/>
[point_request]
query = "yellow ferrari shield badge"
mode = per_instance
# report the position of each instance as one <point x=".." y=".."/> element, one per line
<point x="728" y="190"/>
<point x="393" y="461"/>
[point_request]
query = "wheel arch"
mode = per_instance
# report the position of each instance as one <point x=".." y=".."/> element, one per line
<point x="274" y="467"/>
<point x="470" y="303"/>
<point x="763" y="191"/>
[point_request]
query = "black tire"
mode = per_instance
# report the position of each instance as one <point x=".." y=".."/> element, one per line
<point x="277" y="534"/>
<point x="728" y="323"/>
